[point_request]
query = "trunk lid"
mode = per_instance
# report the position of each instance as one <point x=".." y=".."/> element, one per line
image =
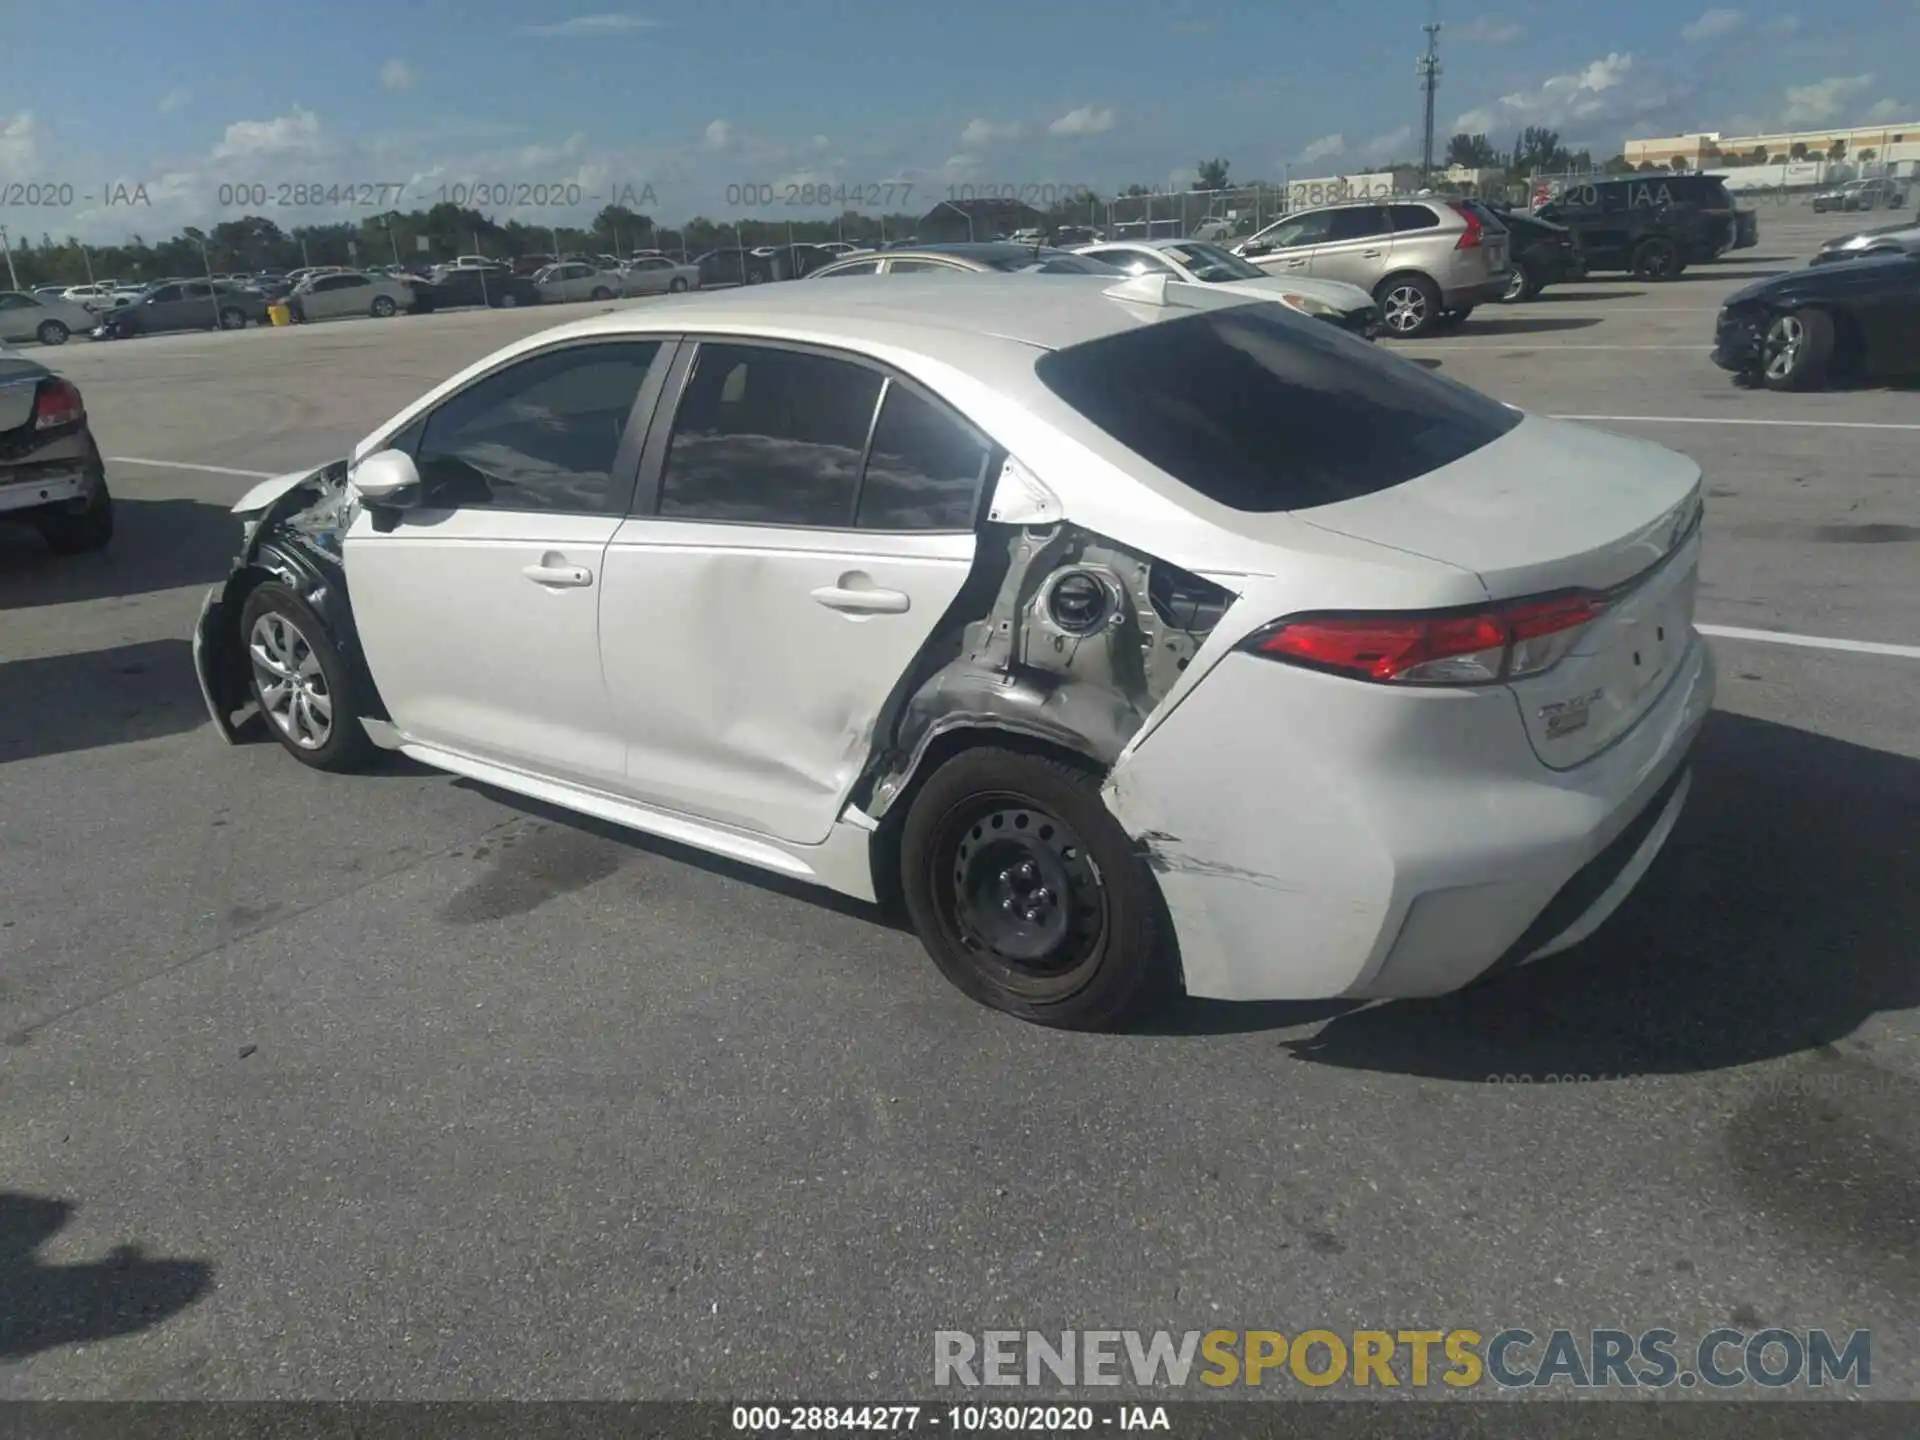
<point x="1553" y="507"/>
<point x="19" y="381"/>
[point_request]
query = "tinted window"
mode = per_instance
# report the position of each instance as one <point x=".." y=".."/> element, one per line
<point x="1413" y="217"/>
<point x="910" y="267"/>
<point x="1263" y="411"/>
<point x="200" y="291"/>
<point x="167" y="292"/>
<point x="863" y="267"/>
<point x="1212" y="264"/>
<point x="539" y="435"/>
<point x="1308" y="229"/>
<point x="770" y="437"/>
<point x="1361" y="222"/>
<point x="924" y="470"/>
<point x="1052" y="262"/>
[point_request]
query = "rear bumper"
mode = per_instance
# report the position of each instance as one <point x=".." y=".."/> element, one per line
<point x="56" y="474"/>
<point x="1382" y="844"/>
<point x="1481" y="292"/>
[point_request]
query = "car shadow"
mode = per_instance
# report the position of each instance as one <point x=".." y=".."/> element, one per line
<point x="156" y="545"/>
<point x="1779" y="918"/>
<point x="1693" y="273"/>
<point x="1563" y="292"/>
<point x="48" y="1306"/>
<point x="887" y="915"/>
<point x="1517" y="325"/>
<point x="95" y="698"/>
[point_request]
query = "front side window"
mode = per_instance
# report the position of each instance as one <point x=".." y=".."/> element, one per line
<point x="1262" y="410"/>
<point x="1309" y="229"/>
<point x="13" y="300"/>
<point x="540" y="435"/>
<point x="863" y="267"/>
<point x="769" y="437"/>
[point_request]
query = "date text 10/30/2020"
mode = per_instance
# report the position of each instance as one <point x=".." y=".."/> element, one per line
<point x="894" y="195"/>
<point x="379" y="195"/>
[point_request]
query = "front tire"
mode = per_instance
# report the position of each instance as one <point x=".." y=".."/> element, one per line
<point x="383" y="307"/>
<point x="1028" y="894"/>
<point x="1409" y="306"/>
<point x="1797" y="351"/>
<point x="508" y="301"/>
<point x="678" y="285"/>
<point x="602" y="293"/>
<point x="233" y="320"/>
<point x="300" y="682"/>
<point x="90" y="529"/>
<point x="52" y="332"/>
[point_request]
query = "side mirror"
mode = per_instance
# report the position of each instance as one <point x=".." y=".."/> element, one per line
<point x="387" y="480"/>
<point x="1255" y="247"/>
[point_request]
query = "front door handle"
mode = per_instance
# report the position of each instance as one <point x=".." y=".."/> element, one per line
<point x="1371" y="254"/>
<point x="554" y="571"/>
<point x="1299" y="264"/>
<point x="852" y="597"/>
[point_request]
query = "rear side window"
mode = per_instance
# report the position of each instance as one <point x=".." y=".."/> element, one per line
<point x="1360" y="222"/>
<point x="1264" y="411"/>
<point x="923" y="470"/>
<point x="1413" y="217"/>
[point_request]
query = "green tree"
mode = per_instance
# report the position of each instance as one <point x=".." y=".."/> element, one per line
<point x="1837" y="151"/>
<point x="1212" y="175"/>
<point x="1475" y="152"/>
<point x="1799" y="150"/>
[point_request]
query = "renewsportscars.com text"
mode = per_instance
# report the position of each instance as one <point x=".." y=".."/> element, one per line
<point x="1511" y="1358"/>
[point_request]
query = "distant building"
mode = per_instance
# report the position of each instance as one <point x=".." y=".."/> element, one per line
<point x="953" y="220"/>
<point x="1710" y="150"/>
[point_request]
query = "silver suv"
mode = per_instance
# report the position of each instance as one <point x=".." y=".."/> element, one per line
<point x="1428" y="262"/>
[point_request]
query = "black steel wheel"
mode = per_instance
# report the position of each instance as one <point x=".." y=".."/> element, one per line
<point x="1028" y="894"/>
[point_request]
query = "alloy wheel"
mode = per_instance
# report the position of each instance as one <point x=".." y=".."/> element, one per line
<point x="1784" y="338"/>
<point x="293" y="687"/>
<point x="1405" y="309"/>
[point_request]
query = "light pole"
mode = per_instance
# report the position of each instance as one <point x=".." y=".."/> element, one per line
<point x="13" y="280"/>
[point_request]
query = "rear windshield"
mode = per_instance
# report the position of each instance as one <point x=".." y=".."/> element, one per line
<point x="1263" y="411"/>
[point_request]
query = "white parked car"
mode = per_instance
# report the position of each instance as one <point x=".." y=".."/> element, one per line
<point x="49" y="319"/>
<point x="573" y="280"/>
<point x="98" y="296"/>
<point x="335" y="294"/>
<point x="657" y="275"/>
<point x="1135" y="634"/>
<point x="1202" y="263"/>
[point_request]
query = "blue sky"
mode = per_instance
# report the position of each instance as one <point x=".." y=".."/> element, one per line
<point x="189" y="97"/>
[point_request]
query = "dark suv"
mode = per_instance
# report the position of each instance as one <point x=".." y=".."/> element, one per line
<point x="1652" y="226"/>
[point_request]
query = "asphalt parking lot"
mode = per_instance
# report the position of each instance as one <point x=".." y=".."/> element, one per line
<point x="392" y="1087"/>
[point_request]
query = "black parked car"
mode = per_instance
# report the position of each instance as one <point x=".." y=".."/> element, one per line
<point x="185" y="305"/>
<point x="1651" y="226"/>
<point x="1542" y="252"/>
<point x="492" y="285"/>
<point x="738" y="267"/>
<point x="1881" y="240"/>
<point x="1746" y="227"/>
<point x="51" y="473"/>
<point x="1855" y="320"/>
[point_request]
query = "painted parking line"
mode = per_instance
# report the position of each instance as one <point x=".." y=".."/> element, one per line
<point x="1738" y="420"/>
<point x="1809" y="642"/>
<point x="185" y="465"/>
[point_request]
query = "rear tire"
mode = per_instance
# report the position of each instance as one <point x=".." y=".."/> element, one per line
<point x="602" y="293"/>
<point x="383" y="306"/>
<point x="1797" y="352"/>
<point x="1027" y="893"/>
<point x="305" y="691"/>
<point x="76" y="534"/>
<point x="677" y="285"/>
<point x="52" y="332"/>
<point x="1656" y="261"/>
<point x="1409" y="306"/>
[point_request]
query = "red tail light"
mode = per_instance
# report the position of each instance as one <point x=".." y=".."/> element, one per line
<point x="1479" y="647"/>
<point x="1470" y="237"/>
<point x="57" y="403"/>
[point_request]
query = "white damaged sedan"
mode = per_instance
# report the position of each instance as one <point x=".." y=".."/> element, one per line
<point x="1136" y="636"/>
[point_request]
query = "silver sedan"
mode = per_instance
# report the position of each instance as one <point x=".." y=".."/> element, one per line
<point x="573" y="280"/>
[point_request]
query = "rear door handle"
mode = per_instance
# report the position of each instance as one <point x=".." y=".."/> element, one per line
<point x="857" y="599"/>
<point x="554" y="571"/>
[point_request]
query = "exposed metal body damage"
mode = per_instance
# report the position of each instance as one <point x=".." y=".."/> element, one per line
<point x="294" y="541"/>
<point x="1062" y="635"/>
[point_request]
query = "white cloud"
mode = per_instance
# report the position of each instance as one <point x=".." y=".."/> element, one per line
<point x="1381" y="147"/>
<point x="1474" y="122"/>
<point x="1716" y="24"/>
<point x="396" y="75"/>
<point x="1821" y="101"/>
<point x="988" y="132"/>
<point x="1325" y="148"/>
<point x="1883" y="112"/>
<point x="718" y="135"/>
<point x="961" y="165"/>
<point x="1486" y="30"/>
<point x="1594" y="94"/>
<point x="173" y="100"/>
<point x="591" y="25"/>
<point x="17" y="146"/>
<point x="821" y="142"/>
<point x="1087" y="120"/>
<point x="298" y="133"/>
